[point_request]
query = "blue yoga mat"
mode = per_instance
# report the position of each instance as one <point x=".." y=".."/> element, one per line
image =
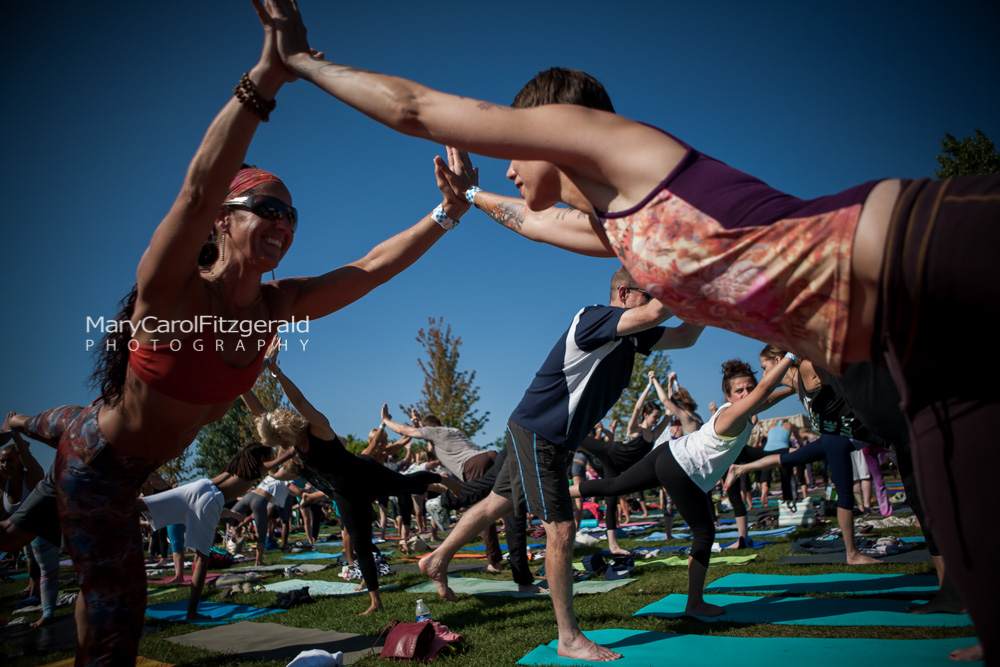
<point x="807" y="611"/>
<point x="642" y="649"/>
<point x="678" y="535"/>
<point x="318" y="555"/>
<point x="219" y="612"/>
<point x="845" y="583"/>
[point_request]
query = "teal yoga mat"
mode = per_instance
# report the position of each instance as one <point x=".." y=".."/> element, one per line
<point x="319" y="587"/>
<point x="474" y="586"/>
<point x="845" y="583"/>
<point x="219" y="612"/>
<point x="503" y="547"/>
<point x="642" y="649"/>
<point x="680" y="535"/>
<point x="807" y="611"/>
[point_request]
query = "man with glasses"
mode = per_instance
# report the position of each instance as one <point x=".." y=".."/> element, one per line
<point x="582" y="378"/>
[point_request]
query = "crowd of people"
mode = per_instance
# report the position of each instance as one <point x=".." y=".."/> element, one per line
<point x="844" y="290"/>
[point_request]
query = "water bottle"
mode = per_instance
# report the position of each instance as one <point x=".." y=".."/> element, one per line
<point x="423" y="613"/>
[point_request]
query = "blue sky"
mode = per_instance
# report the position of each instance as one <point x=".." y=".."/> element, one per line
<point x="106" y="102"/>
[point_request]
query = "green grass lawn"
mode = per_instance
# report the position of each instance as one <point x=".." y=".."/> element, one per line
<point x="498" y="630"/>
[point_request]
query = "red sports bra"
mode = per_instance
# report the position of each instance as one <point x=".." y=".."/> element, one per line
<point x="195" y="373"/>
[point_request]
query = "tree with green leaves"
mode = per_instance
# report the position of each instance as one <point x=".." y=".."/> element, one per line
<point x="447" y="392"/>
<point x="218" y="442"/>
<point x="971" y="155"/>
<point x="657" y="361"/>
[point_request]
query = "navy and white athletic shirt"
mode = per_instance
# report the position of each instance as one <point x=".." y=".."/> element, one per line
<point x="583" y="376"/>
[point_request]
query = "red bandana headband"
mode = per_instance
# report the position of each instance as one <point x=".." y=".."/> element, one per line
<point x="248" y="178"/>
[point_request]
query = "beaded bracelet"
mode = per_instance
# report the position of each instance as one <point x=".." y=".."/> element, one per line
<point x="470" y="194"/>
<point x="789" y="355"/>
<point x="442" y="218"/>
<point x="250" y="98"/>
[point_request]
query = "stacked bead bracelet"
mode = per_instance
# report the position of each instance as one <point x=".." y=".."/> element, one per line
<point x="250" y="98"/>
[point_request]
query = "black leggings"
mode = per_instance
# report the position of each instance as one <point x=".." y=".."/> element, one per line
<point x="786" y="475"/>
<point x="747" y="455"/>
<point x="660" y="468"/>
<point x="615" y="459"/>
<point x="837" y="452"/>
<point x="354" y="487"/>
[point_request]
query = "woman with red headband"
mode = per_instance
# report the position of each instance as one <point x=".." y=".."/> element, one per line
<point x="156" y="397"/>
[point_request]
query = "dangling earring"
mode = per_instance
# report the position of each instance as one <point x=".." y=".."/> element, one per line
<point x="222" y="248"/>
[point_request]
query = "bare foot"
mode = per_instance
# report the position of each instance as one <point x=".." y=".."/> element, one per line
<point x="620" y="552"/>
<point x="582" y="648"/>
<point x="360" y="587"/>
<point x="939" y="604"/>
<point x="704" y="609"/>
<point x="195" y="617"/>
<point x="731" y="477"/>
<point x="858" y="558"/>
<point x="531" y="588"/>
<point x="494" y="569"/>
<point x="175" y="580"/>
<point x="970" y="653"/>
<point x="437" y="573"/>
<point x="740" y="543"/>
<point x="40" y="622"/>
<point x="375" y="606"/>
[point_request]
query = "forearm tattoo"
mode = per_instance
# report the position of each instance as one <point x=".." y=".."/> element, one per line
<point x="508" y="214"/>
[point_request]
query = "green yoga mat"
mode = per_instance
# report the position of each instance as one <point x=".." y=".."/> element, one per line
<point x="474" y="586"/>
<point x="845" y="583"/>
<point x="675" y="561"/>
<point x="642" y="649"/>
<point x="807" y="611"/>
<point x="320" y="587"/>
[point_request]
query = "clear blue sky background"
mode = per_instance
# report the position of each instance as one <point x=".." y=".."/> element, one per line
<point x="105" y="102"/>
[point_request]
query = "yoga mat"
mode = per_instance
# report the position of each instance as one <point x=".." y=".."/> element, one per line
<point x="314" y="555"/>
<point x="753" y="544"/>
<point x="503" y="547"/>
<point x="642" y="649"/>
<point x="847" y="583"/>
<point x="674" y="561"/>
<point x="139" y="662"/>
<point x="320" y="587"/>
<point x="58" y="635"/>
<point x="270" y="641"/>
<point x="478" y="566"/>
<point x="305" y="567"/>
<point x="474" y="586"/>
<point x="915" y="556"/>
<point x="807" y="611"/>
<point x="680" y="535"/>
<point x="219" y="612"/>
<point x="209" y="578"/>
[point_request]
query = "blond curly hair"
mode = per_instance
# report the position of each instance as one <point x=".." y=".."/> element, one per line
<point x="281" y="427"/>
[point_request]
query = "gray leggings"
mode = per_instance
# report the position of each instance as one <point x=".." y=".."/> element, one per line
<point x="258" y="505"/>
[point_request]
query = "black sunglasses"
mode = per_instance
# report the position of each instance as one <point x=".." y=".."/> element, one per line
<point x="267" y="207"/>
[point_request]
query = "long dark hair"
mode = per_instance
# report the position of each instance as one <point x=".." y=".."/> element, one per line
<point x="112" y="361"/>
<point x="245" y="464"/>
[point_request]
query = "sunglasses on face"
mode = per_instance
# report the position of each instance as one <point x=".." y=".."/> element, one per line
<point x="270" y="208"/>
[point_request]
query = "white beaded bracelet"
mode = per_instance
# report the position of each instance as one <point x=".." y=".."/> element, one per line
<point x="442" y="218"/>
<point x="470" y="194"/>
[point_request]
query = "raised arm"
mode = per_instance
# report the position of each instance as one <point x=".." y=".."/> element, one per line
<point x="633" y="421"/>
<point x="319" y="425"/>
<point x="402" y="429"/>
<point x="33" y="469"/>
<point x="559" y="133"/>
<point x="731" y="421"/>
<point x="322" y="295"/>
<point x="170" y="261"/>
<point x="565" y="228"/>
<point x="688" y="422"/>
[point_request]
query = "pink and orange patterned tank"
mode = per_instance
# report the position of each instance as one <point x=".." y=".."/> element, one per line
<point x="724" y="249"/>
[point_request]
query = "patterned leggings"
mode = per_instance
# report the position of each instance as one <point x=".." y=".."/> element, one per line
<point x="96" y="488"/>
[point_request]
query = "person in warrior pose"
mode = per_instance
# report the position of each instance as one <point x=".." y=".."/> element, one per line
<point x="579" y="382"/>
<point x="861" y="275"/>
<point x="197" y="507"/>
<point x="690" y="466"/>
<point x="352" y="482"/>
<point x="204" y="264"/>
